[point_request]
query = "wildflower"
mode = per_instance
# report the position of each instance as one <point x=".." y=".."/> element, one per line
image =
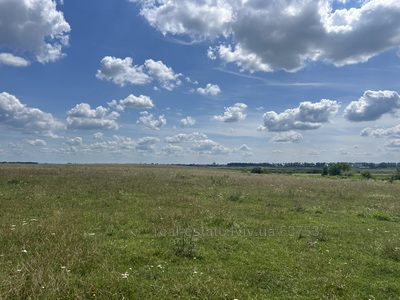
<point x="125" y="275"/>
<point x="24" y="251"/>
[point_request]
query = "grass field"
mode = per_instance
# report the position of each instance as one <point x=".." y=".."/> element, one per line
<point x="165" y="232"/>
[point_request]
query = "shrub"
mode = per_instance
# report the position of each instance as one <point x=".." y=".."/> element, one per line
<point x="395" y="176"/>
<point x="339" y="168"/>
<point x="366" y="174"/>
<point x="259" y="170"/>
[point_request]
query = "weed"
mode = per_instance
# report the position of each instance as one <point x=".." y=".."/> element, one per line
<point x="236" y="197"/>
<point x="391" y="249"/>
<point x="185" y="243"/>
<point x="381" y="216"/>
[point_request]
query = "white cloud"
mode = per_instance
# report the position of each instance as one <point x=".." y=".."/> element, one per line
<point x="183" y="137"/>
<point x="34" y="26"/>
<point x="210" y="89"/>
<point x="132" y="101"/>
<point x="286" y="34"/>
<point x="393" y="143"/>
<point x="148" y="121"/>
<point x="208" y="146"/>
<point x="188" y="121"/>
<point x="196" y="18"/>
<point x="167" y="78"/>
<point x="98" y="135"/>
<point x="288" y="137"/>
<point x="242" y="58"/>
<point x="12" y="60"/>
<point x="244" y="150"/>
<point x="372" y="105"/>
<point x="146" y="144"/>
<point x="76" y="141"/>
<point x="381" y="132"/>
<point x="233" y="113"/>
<point x="307" y="116"/>
<point x="36" y="142"/>
<point x="122" y="72"/>
<point x="18" y="116"/>
<point x="118" y="145"/>
<point x="173" y="150"/>
<point x="83" y="117"/>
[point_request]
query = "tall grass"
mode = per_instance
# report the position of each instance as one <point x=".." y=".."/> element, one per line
<point x="164" y="232"/>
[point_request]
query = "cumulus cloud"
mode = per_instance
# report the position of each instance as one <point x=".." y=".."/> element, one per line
<point x="76" y="141"/>
<point x="36" y="142"/>
<point x="123" y="72"/>
<point x="372" y="105"/>
<point x="393" y="143"/>
<point x="210" y="89"/>
<point x="382" y="132"/>
<point x="98" y="135"/>
<point x="132" y="101"/>
<point x="196" y="18"/>
<point x="12" y="60"/>
<point x="233" y="113"/>
<point x="118" y="145"/>
<point x="307" y="116"/>
<point x="148" y="121"/>
<point x="173" y="150"/>
<point x="281" y="35"/>
<point x="242" y="58"/>
<point x="288" y="137"/>
<point x="35" y="27"/>
<point x="208" y="146"/>
<point x="188" y="121"/>
<point x="167" y="78"/>
<point x="16" y="115"/>
<point x="244" y="150"/>
<point x="146" y="144"/>
<point x="83" y="117"/>
<point x="185" y="137"/>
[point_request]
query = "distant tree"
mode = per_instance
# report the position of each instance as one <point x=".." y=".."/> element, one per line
<point x="325" y="171"/>
<point x="339" y="168"/>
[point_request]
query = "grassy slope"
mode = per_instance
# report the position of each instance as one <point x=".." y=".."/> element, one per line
<point x="157" y="232"/>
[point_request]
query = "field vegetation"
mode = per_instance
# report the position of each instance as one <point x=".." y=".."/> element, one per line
<point x="169" y="232"/>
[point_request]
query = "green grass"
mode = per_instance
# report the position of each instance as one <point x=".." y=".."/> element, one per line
<point x="166" y="232"/>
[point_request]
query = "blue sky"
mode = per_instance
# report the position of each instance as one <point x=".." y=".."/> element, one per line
<point x="199" y="81"/>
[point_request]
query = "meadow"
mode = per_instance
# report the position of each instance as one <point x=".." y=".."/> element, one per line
<point x="175" y="232"/>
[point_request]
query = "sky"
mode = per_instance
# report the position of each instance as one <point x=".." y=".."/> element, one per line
<point x="199" y="81"/>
